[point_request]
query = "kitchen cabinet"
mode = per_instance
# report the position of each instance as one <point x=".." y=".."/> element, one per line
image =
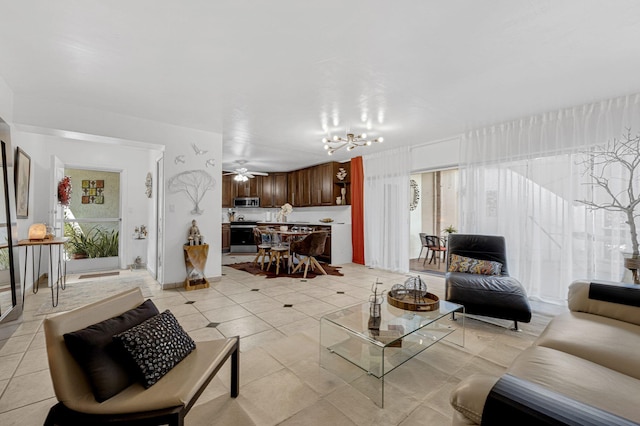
<point x="227" y="191"/>
<point x="321" y="185"/>
<point x="248" y="188"/>
<point x="326" y="254"/>
<point x="311" y="186"/>
<point x="226" y="238"/>
<point x="280" y="185"/>
<point x="299" y="188"/>
<point x="272" y="189"/>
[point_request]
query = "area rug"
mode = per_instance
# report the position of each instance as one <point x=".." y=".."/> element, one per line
<point x="82" y="293"/>
<point x="271" y="273"/>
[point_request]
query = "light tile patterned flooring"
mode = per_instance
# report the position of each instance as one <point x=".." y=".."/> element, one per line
<point x="281" y="381"/>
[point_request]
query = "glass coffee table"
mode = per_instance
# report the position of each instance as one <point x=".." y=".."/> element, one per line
<point x="401" y="336"/>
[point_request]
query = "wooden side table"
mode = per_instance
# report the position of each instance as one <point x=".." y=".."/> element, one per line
<point x="195" y="259"/>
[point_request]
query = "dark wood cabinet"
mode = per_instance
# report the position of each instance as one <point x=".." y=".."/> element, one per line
<point x="272" y="189"/>
<point x="321" y="185"/>
<point x="248" y="188"/>
<point x="300" y="187"/>
<point x="279" y="188"/>
<point x="226" y="238"/>
<point x="227" y="191"/>
<point x="326" y="254"/>
<point x="312" y="186"/>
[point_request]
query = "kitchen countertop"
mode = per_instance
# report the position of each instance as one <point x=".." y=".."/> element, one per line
<point x="299" y="223"/>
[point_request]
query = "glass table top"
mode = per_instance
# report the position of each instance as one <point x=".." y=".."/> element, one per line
<point x="395" y="323"/>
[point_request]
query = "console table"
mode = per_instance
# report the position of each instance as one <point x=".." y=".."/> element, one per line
<point x="61" y="276"/>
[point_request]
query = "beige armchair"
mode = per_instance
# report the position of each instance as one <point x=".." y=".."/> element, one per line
<point x="166" y="402"/>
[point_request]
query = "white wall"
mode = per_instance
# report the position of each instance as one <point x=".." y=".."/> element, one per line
<point x="6" y="102"/>
<point x="133" y="162"/>
<point x="178" y="207"/>
<point x="436" y="155"/>
<point x="72" y="122"/>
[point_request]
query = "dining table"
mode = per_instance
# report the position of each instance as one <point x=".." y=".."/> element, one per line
<point x="284" y="242"/>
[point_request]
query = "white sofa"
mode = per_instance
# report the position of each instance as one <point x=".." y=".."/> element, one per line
<point x="584" y="365"/>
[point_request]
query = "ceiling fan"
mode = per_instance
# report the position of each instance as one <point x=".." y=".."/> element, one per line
<point x="242" y="174"/>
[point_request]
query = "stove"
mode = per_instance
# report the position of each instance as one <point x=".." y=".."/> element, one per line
<point x="242" y="236"/>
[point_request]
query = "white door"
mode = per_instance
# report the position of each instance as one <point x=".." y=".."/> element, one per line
<point x="56" y="212"/>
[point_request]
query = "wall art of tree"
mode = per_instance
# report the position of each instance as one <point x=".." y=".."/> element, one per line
<point x="194" y="184"/>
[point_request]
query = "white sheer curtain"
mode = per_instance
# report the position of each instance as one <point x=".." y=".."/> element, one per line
<point x="386" y="209"/>
<point x="521" y="179"/>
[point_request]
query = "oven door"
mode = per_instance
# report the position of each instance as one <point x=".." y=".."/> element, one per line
<point x="242" y="239"/>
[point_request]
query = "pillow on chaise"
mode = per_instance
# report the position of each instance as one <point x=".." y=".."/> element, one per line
<point x="156" y="346"/>
<point x="107" y="366"/>
<point x="470" y="265"/>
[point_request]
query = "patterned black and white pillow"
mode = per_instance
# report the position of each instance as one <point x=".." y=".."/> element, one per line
<point x="156" y="346"/>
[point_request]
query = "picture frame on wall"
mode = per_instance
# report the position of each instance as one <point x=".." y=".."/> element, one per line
<point x="22" y="181"/>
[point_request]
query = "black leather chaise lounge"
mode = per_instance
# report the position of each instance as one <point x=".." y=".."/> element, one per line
<point x="478" y="278"/>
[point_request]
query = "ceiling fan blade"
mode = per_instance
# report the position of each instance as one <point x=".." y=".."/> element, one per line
<point x="249" y="175"/>
<point x="227" y="173"/>
<point x="260" y="173"/>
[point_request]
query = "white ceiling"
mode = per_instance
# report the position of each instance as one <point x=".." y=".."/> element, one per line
<point x="274" y="77"/>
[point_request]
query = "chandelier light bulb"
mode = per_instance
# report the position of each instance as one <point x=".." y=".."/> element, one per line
<point x="363" y="136"/>
<point x="326" y="146"/>
<point x="380" y="139"/>
<point x="335" y="138"/>
<point x="331" y="151"/>
<point x="368" y="143"/>
<point x="350" y="147"/>
<point x="325" y="140"/>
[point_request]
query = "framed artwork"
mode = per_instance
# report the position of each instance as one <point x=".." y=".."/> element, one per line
<point x="22" y="177"/>
<point x="93" y="191"/>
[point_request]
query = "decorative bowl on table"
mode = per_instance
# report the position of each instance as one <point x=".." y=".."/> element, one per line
<point x="326" y="220"/>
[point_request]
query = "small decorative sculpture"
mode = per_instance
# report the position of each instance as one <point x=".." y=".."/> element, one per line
<point x="195" y="238"/>
<point x="375" y="301"/>
<point x="412" y="295"/>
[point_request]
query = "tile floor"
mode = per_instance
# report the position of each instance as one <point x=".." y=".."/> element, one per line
<point x="281" y="381"/>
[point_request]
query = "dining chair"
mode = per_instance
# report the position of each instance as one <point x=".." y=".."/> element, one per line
<point x="307" y="249"/>
<point x="423" y="241"/>
<point x="437" y="248"/>
<point x="279" y="252"/>
<point x="262" y="239"/>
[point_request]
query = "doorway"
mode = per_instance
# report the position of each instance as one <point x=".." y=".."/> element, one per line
<point x="434" y="212"/>
<point x="92" y="220"/>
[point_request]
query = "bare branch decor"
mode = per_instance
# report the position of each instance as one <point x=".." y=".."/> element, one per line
<point x="194" y="184"/>
<point x="614" y="172"/>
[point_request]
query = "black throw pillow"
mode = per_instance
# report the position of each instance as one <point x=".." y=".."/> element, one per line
<point x="156" y="346"/>
<point x="106" y="364"/>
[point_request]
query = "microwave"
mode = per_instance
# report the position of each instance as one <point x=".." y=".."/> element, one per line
<point x="240" y="202"/>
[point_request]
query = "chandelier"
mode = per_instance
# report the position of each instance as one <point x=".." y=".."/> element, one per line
<point x="351" y="141"/>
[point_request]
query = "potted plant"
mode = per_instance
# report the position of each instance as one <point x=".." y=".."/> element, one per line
<point x="450" y="230"/>
<point x="619" y="188"/>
